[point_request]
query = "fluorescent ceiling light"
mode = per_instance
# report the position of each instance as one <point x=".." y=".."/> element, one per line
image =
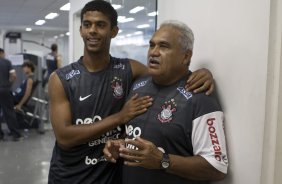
<point x="40" y="22"/>
<point x="143" y="26"/>
<point x="136" y="9"/>
<point x="154" y="13"/>
<point x="116" y="6"/>
<point x="67" y="33"/>
<point x="66" y="7"/>
<point x="51" y="16"/>
<point x="120" y="31"/>
<point x="123" y="19"/>
<point x="55" y="37"/>
<point x="28" y="29"/>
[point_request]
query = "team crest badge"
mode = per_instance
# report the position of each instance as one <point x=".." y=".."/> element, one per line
<point x="168" y="108"/>
<point x="116" y="84"/>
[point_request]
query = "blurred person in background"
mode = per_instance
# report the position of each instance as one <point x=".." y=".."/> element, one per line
<point x="24" y="91"/>
<point x="7" y="77"/>
<point x="53" y="62"/>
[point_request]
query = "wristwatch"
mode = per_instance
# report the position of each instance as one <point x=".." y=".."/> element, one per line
<point x="165" y="162"/>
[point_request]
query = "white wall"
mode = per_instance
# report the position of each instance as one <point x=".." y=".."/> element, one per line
<point x="2" y="33"/>
<point x="232" y="40"/>
<point x="272" y="155"/>
<point x="74" y="23"/>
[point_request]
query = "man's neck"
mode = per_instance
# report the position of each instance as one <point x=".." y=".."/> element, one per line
<point x="95" y="62"/>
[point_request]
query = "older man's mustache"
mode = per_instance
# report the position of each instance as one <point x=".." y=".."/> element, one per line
<point x="154" y="60"/>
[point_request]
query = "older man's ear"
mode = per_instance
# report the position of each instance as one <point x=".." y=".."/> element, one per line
<point x="188" y="56"/>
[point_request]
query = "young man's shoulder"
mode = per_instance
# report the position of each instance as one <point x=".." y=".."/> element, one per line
<point x="119" y="63"/>
<point x="70" y="70"/>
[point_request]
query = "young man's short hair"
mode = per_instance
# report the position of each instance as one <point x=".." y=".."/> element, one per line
<point x="103" y="7"/>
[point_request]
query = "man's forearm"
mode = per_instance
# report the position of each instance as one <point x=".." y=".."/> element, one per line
<point x="74" y="135"/>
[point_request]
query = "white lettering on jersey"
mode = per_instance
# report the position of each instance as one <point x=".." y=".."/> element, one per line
<point x="87" y="121"/>
<point x="119" y="66"/>
<point x="71" y="74"/>
<point x="140" y="84"/>
<point x="112" y="134"/>
<point x="134" y="132"/>
<point x="185" y="93"/>
<point x="93" y="161"/>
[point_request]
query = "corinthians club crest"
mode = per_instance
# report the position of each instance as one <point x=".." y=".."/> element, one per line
<point x="116" y="84"/>
<point x="165" y="116"/>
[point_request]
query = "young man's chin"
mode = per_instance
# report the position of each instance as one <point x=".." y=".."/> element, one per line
<point x="93" y="49"/>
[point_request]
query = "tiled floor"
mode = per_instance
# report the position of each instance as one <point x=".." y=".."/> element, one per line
<point x="26" y="161"/>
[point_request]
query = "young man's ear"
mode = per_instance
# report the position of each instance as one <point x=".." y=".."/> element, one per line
<point x="80" y="27"/>
<point x="187" y="57"/>
<point x="114" y="32"/>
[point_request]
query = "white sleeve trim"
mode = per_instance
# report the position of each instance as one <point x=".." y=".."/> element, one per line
<point x="208" y="140"/>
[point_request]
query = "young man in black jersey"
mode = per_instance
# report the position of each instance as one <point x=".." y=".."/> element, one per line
<point x="180" y="139"/>
<point x="87" y="101"/>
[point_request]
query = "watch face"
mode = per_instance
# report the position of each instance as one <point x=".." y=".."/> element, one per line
<point x="165" y="161"/>
<point x="165" y="165"/>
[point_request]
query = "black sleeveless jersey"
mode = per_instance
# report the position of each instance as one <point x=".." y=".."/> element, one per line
<point x="180" y="123"/>
<point x="93" y="96"/>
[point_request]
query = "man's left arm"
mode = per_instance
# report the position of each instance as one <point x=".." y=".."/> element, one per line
<point x="199" y="81"/>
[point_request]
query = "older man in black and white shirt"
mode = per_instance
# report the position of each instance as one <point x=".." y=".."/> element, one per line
<point x="180" y="139"/>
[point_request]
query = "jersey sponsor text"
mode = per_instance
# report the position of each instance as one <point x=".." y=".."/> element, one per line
<point x="134" y="132"/>
<point x="87" y="121"/>
<point x="93" y="161"/>
<point x="214" y="139"/>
